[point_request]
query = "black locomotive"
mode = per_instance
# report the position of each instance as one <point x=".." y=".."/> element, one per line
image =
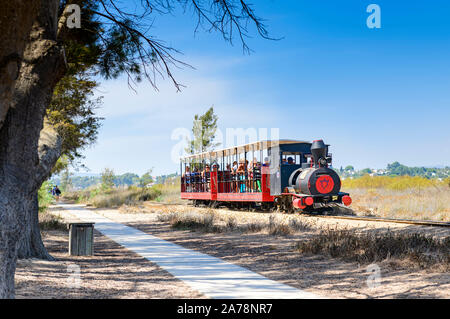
<point x="307" y="183"/>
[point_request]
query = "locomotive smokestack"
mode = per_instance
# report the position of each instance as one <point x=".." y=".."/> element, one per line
<point x="318" y="150"/>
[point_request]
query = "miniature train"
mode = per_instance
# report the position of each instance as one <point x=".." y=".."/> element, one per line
<point x="288" y="175"/>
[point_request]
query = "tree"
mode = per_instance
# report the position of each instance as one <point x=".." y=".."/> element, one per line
<point x="204" y="132"/>
<point x="37" y="50"/>
<point x="30" y="244"/>
<point x="349" y="168"/>
<point x="108" y="178"/>
<point x="71" y="115"/>
<point x="126" y="179"/>
<point x="146" y="178"/>
<point x="66" y="180"/>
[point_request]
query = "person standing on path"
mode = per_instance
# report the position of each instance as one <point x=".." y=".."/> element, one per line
<point x="57" y="193"/>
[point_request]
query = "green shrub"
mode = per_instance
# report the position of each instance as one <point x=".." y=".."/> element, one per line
<point x="113" y="197"/>
<point x="45" y="198"/>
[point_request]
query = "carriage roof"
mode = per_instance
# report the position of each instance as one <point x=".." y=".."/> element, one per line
<point x="255" y="146"/>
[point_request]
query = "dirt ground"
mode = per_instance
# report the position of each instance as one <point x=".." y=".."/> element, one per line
<point x="271" y="256"/>
<point x="113" y="272"/>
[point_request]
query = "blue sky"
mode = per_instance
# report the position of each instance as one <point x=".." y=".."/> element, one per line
<point x="375" y="95"/>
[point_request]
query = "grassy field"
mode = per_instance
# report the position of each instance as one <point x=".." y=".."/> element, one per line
<point x="400" y="197"/>
<point x="113" y="197"/>
<point x="170" y="193"/>
<point x="393" y="197"/>
<point x="100" y="197"/>
<point x="395" y="183"/>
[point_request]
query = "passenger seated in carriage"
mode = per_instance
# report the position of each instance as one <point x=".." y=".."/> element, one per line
<point x="186" y="177"/>
<point x="234" y="176"/>
<point x="195" y="177"/>
<point x="205" y="171"/>
<point x="187" y="172"/>
<point x="254" y="175"/>
<point x="205" y="178"/>
<point x="241" y="170"/>
<point x="250" y="169"/>
<point x="226" y="178"/>
<point x="257" y="176"/>
<point x="234" y="168"/>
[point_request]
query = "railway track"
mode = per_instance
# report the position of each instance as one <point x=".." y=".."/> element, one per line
<point x="388" y="220"/>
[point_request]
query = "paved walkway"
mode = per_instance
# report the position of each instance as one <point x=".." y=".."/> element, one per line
<point x="210" y="275"/>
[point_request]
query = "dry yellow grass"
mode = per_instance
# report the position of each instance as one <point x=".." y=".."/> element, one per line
<point x="218" y="221"/>
<point x="425" y="204"/>
<point x="398" y="183"/>
<point x="400" y="197"/>
<point x="49" y="221"/>
<point x="170" y="193"/>
<point x="418" y="249"/>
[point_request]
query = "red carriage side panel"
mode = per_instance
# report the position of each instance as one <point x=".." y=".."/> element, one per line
<point x="265" y="185"/>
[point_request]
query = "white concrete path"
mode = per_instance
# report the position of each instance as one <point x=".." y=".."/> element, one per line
<point x="210" y="275"/>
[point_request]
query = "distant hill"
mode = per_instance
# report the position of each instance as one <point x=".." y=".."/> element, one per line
<point x="85" y="180"/>
<point x="397" y="169"/>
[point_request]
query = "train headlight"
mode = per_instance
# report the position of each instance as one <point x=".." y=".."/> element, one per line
<point x="347" y="200"/>
<point x="309" y="201"/>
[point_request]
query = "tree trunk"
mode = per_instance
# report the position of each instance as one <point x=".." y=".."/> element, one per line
<point x="20" y="164"/>
<point x="31" y="244"/>
<point x="18" y="156"/>
<point x="12" y="215"/>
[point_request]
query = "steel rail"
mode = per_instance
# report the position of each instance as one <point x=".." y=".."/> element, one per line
<point x="388" y="220"/>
